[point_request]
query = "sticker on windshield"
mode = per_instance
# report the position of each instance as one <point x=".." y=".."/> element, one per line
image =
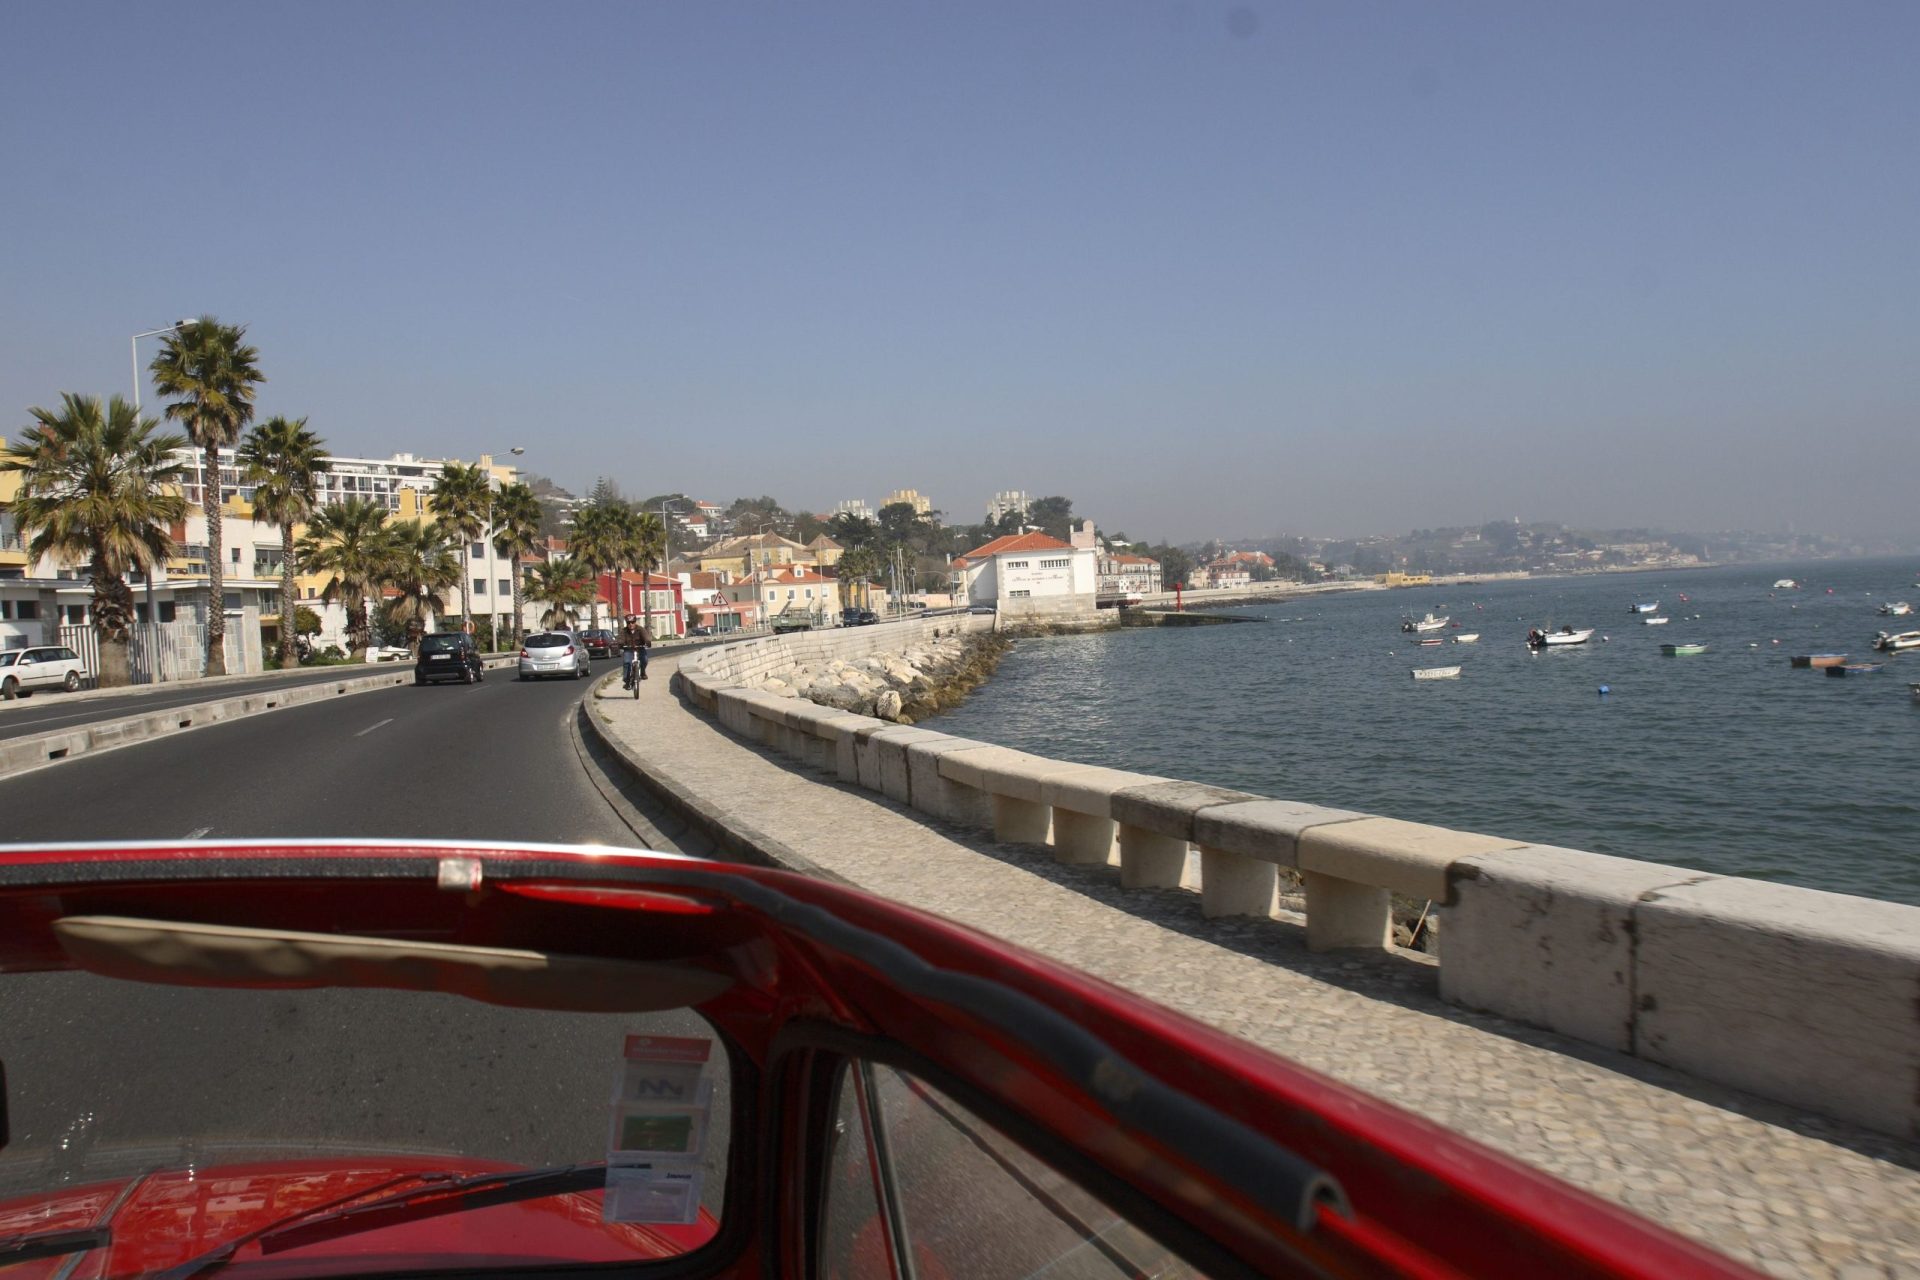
<point x="657" y="1129"/>
<point x="653" y="1193"/>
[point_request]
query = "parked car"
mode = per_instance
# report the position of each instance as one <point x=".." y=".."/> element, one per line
<point x="858" y="618"/>
<point x="46" y="667"/>
<point x="555" y="653"/>
<point x="601" y="643"/>
<point x="699" y="631"/>
<point x="449" y="655"/>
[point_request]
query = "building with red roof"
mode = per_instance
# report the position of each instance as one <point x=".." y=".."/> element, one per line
<point x="1033" y="575"/>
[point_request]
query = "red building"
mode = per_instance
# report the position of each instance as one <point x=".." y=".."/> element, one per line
<point x="657" y="598"/>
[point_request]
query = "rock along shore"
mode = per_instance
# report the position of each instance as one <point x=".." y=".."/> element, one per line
<point x="921" y="680"/>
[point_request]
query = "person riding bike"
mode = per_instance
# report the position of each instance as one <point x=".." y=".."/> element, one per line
<point x="634" y="643"/>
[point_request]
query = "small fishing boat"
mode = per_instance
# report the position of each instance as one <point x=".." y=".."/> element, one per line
<point x="1785" y="584"/>
<point x="1682" y="650"/>
<point x="1855" y="668"/>
<point x="1467" y="637"/>
<point x="1652" y="607"/>
<point x="1817" y="660"/>
<point x="1428" y="623"/>
<point x="1896" y="609"/>
<point x="1894" y="642"/>
<point x="1429" y="642"/>
<point x="1539" y="639"/>
<point x="1656" y="622"/>
<point x="1436" y="673"/>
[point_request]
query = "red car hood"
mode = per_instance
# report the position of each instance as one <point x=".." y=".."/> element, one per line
<point x="161" y="1219"/>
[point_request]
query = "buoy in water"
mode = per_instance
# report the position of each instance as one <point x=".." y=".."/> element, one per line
<point x="1605" y="690"/>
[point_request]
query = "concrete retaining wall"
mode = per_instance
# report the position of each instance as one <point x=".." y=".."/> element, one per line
<point x="1806" y="997"/>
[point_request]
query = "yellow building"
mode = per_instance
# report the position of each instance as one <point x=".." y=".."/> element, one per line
<point x="1404" y="579"/>
<point x="912" y="498"/>
<point x="749" y="553"/>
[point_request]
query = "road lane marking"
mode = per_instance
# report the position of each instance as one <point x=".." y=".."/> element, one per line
<point x="370" y="728"/>
<point x="196" y="833"/>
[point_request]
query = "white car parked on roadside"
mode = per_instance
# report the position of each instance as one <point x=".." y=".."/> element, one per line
<point x="43" y="667"/>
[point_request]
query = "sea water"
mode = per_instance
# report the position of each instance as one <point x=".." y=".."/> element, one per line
<point x="1730" y="761"/>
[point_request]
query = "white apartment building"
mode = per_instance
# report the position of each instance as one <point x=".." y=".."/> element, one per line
<point x="854" y="507"/>
<point x="1015" y="500"/>
<point x="377" y="480"/>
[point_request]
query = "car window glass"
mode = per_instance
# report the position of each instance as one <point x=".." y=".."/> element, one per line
<point x="975" y="1206"/>
<point x="547" y="640"/>
<point x="853" y="1239"/>
<point x="439" y="644"/>
<point x="538" y="1091"/>
<point x="68" y="655"/>
<point x="8" y="659"/>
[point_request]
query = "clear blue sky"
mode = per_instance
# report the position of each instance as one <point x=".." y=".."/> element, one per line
<point x="1206" y="268"/>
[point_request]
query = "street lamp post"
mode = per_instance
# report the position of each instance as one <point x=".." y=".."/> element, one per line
<point x="133" y="347"/>
<point x="666" y="550"/>
<point x="493" y="582"/>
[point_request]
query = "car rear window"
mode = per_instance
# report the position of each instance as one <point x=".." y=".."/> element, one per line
<point x="439" y="644"/>
<point x="548" y="640"/>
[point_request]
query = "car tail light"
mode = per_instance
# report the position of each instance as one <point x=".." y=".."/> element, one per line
<point x="569" y="648"/>
<point x="524" y="653"/>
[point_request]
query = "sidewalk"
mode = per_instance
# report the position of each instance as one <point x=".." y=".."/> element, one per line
<point x="1793" y="1194"/>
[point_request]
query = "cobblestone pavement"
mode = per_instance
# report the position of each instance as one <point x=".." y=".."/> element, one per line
<point x="1791" y="1193"/>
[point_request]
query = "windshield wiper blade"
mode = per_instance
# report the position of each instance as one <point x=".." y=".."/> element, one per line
<point x="51" y="1244"/>
<point x="432" y="1195"/>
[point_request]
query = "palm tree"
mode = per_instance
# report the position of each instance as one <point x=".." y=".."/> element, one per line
<point x="422" y="564"/>
<point x="563" y="586"/>
<point x="599" y="541"/>
<point x="98" y="484"/>
<point x="459" y="501"/>
<point x="645" y="541"/>
<point x="349" y="540"/>
<point x="284" y="462"/>
<point x="212" y="370"/>
<point x="516" y="532"/>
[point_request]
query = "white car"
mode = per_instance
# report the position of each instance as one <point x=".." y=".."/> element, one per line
<point x="45" y="667"/>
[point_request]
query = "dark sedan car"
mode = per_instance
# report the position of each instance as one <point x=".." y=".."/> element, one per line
<point x="601" y="643"/>
<point x="448" y="655"/>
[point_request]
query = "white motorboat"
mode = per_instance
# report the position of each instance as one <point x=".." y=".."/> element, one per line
<point x="1467" y="637"/>
<point x="1436" y="673"/>
<point x="1656" y="622"/>
<point x="1428" y="623"/>
<point x="1785" y="584"/>
<point x="1896" y="609"/>
<point x="1894" y="642"/>
<point x="1555" y="639"/>
<point x="1652" y="607"/>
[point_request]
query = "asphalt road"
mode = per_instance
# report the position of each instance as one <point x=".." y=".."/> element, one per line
<point x="48" y="710"/>
<point x="101" y="1074"/>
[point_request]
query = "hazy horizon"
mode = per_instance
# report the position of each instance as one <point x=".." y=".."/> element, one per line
<point x="1204" y="268"/>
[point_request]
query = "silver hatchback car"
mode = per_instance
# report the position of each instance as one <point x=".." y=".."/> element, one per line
<point x="555" y="653"/>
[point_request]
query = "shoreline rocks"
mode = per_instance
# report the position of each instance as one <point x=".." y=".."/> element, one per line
<point x="925" y="678"/>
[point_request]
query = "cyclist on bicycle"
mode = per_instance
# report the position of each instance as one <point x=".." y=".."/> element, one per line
<point x="634" y="643"/>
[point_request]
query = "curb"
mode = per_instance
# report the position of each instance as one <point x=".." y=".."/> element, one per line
<point x="23" y="755"/>
<point x="728" y="835"/>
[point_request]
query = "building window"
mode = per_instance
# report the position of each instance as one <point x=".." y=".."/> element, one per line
<point x="235" y="554"/>
<point x="505" y="586"/>
<point x="1019" y="595"/>
<point x="1055" y="564"/>
<point x="76" y="614"/>
<point x="1018" y="564"/>
<point x="27" y="610"/>
<point x="168" y="611"/>
<point x="479" y="586"/>
<point x="479" y="550"/>
<point x="6" y="609"/>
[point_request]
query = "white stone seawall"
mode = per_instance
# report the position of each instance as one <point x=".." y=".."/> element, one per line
<point x="1805" y="997"/>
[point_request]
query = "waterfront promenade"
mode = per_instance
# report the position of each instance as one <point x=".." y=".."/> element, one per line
<point x="1791" y="1193"/>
